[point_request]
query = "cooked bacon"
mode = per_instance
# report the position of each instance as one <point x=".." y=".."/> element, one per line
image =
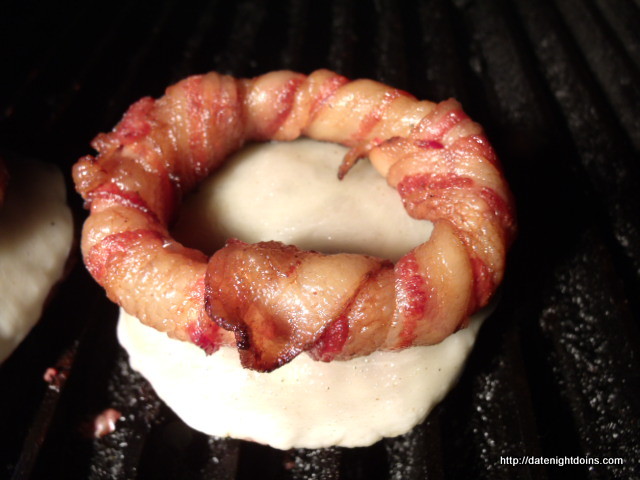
<point x="256" y="290"/>
<point x="276" y="301"/>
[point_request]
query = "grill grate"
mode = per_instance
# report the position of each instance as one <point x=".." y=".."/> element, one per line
<point x="555" y="83"/>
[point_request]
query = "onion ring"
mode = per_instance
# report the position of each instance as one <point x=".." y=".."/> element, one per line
<point x="275" y="301"/>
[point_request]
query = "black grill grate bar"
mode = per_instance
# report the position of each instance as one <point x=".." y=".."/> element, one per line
<point x="42" y="420"/>
<point x="136" y="59"/>
<point x="118" y="454"/>
<point x="389" y="44"/>
<point x="437" y="68"/>
<point x="605" y="164"/>
<point x="90" y="68"/>
<point x="37" y="101"/>
<point x="603" y="153"/>
<point x="587" y="335"/>
<point x="504" y="64"/>
<point x="322" y="464"/>
<point x="608" y="62"/>
<point x="236" y="58"/>
<point x="342" y="38"/>
<point x="623" y="18"/>
<point x="222" y="459"/>
<point x="38" y="34"/>
<point x="417" y="455"/>
<point x="593" y="356"/>
<point x="200" y="29"/>
<point x="297" y="34"/>
<point x="134" y="56"/>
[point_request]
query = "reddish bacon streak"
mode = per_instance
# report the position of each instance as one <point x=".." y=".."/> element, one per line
<point x="478" y="146"/>
<point x="375" y="115"/>
<point x="360" y="139"/>
<point x="429" y="144"/>
<point x="111" y="193"/>
<point x="329" y="87"/>
<point x="163" y="159"/>
<point x="135" y="124"/>
<point x="203" y="333"/>
<point x="432" y="182"/>
<point x="207" y="338"/>
<point x="332" y="340"/>
<point x="198" y="120"/>
<point x="483" y="285"/>
<point x="502" y="210"/>
<point x="334" y="337"/>
<point x="112" y="246"/>
<point x="284" y="104"/>
<point x="414" y="299"/>
<point x="438" y="129"/>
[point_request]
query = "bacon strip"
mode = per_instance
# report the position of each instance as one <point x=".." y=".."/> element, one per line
<point x="275" y="301"/>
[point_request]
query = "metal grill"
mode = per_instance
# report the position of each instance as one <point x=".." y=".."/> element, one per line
<point x="556" y="83"/>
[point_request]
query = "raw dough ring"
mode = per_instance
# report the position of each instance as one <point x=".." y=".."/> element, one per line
<point x="275" y="301"/>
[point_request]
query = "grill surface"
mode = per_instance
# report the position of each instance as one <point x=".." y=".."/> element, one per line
<point x="556" y="84"/>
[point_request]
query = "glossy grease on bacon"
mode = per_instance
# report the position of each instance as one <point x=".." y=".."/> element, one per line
<point x="276" y="301"/>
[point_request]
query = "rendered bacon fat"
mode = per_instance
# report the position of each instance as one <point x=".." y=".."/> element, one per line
<point x="276" y="301"/>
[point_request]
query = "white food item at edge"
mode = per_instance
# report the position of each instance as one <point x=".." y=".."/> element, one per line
<point x="36" y="232"/>
<point x="304" y="404"/>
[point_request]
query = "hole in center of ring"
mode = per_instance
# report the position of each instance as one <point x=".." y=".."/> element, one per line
<point x="289" y="192"/>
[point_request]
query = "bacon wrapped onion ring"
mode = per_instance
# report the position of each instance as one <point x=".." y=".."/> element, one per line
<point x="275" y="301"/>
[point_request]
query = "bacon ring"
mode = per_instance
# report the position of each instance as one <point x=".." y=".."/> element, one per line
<point x="275" y="301"/>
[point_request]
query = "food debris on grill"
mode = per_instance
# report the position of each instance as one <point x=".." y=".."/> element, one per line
<point x="102" y="424"/>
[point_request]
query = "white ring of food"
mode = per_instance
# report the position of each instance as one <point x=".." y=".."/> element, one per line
<point x="304" y="404"/>
<point x="36" y="232"/>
